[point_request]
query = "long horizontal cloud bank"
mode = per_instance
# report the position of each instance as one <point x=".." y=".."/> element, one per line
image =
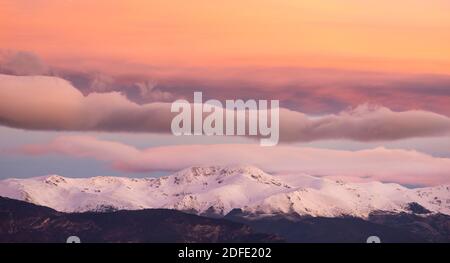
<point x="51" y="103"/>
<point x="389" y="165"/>
<point x="308" y="90"/>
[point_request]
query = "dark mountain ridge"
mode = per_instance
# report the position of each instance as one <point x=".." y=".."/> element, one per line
<point x="25" y="222"/>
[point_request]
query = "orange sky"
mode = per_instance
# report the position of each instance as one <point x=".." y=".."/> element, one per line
<point x="402" y="35"/>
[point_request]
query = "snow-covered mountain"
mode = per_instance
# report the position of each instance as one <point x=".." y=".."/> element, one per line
<point x="218" y="190"/>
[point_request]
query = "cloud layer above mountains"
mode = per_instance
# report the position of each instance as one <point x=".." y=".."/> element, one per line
<point x="51" y="103"/>
<point x="306" y="89"/>
<point x="381" y="164"/>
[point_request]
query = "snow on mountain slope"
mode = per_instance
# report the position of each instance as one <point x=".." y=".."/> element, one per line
<point x="333" y="199"/>
<point x="220" y="189"/>
<point x="196" y="188"/>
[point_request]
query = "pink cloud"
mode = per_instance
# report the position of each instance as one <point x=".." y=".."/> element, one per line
<point x="363" y="123"/>
<point x="51" y="103"/>
<point x="390" y="165"/>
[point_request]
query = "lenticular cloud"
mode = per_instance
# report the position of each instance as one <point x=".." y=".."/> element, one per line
<point x="380" y="164"/>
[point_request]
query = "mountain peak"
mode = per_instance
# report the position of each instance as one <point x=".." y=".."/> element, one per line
<point x="220" y="170"/>
<point x="223" y="188"/>
<point x="54" y="179"/>
<point x="225" y="174"/>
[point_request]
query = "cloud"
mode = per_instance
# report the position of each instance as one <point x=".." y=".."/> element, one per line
<point x="51" y="103"/>
<point x="381" y="164"/>
<point x="309" y="90"/>
<point x="140" y="89"/>
<point x="148" y="92"/>
<point x="21" y="63"/>
<point x="363" y="123"/>
<point x="316" y="90"/>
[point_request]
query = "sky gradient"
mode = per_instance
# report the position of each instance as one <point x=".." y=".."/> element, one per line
<point x="405" y="35"/>
<point x="365" y="80"/>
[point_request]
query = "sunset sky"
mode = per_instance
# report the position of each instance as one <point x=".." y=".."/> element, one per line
<point x="365" y="80"/>
<point x="405" y="35"/>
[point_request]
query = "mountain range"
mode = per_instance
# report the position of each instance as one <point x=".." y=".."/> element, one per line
<point x="215" y="191"/>
<point x="220" y="204"/>
<point x="24" y="222"/>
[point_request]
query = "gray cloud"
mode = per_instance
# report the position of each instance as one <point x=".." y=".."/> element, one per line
<point x="21" y="63"/>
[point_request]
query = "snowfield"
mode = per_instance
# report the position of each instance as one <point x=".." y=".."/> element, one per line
<point x="218" y="190"/>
